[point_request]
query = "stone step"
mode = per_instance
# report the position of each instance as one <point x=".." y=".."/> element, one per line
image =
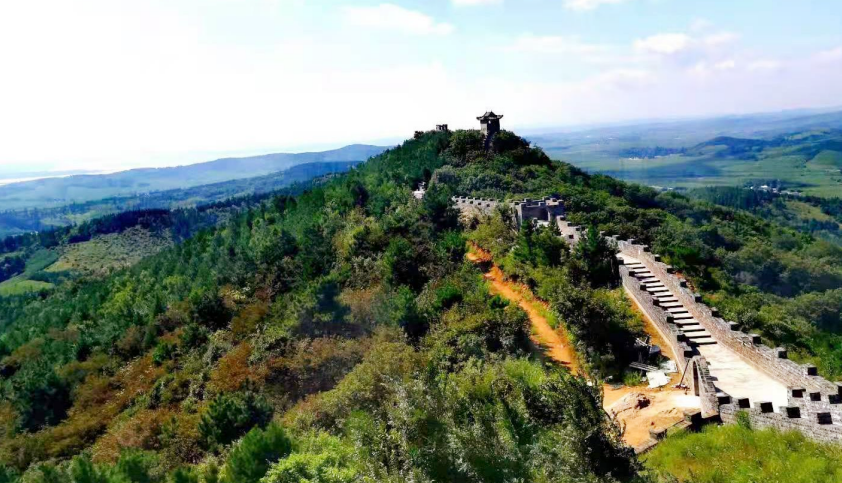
<point x="683" y="322"/>
<point x="677" y="310"/>
<point x="682" y="317"/>
<point x="706" y="341"/>
<point x="669" y="305"/>
<point x="660" y="289"/>
<point x="665" y="297"/>
<point x="692" y="328"/>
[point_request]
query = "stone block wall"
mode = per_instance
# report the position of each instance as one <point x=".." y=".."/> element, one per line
<point x="481" y="205"/>
<point x="814" y="403"/>
<point x="687" y="363"/>
<point x="569" y="232"/>
<point x="770" y="361"/>
<point x="658" y="316"/>
<point x="788" y="419"/>
<point x="704" y="387"/>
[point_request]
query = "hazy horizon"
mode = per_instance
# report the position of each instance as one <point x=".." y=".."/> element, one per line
<point x="114" y="84"/>
<point x="9" y="175"/>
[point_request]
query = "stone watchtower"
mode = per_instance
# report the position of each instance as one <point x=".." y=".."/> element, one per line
<point x="490" y="123"/>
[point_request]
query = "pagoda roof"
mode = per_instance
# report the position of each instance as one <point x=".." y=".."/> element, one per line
<point x="489" y="116"/>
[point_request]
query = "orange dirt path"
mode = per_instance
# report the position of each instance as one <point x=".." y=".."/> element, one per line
<point x="667" y="403"/>
<point x="554" y="342"/>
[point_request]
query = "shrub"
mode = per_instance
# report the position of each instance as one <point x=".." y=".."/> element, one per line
<point x="253" y="456"/>
<point x="82" y="470"/>
<point x="135" y="467"/>
<point x="163" y="352"/>
<point x="229" y="416"/>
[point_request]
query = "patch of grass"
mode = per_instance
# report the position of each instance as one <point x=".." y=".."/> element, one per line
<point x="103" y="253"/>
<point x="828" y="159"/>
<point x="39" y="261"/>
<point x="806" y="211"/>
<point x="738" y="454"/>
<point x="19" y="286"/>
<point x="633" y="378"/>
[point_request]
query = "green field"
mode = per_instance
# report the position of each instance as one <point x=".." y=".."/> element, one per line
<point x="16" y="286"/>
<point x="22" y="284"/>
<point x="113" y="251"/>
<point x="800" y="155"/>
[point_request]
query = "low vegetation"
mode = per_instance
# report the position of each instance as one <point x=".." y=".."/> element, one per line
<point x="738" y="454"/>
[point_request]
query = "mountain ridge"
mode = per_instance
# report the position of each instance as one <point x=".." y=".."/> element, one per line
<point x="52" y="192"/>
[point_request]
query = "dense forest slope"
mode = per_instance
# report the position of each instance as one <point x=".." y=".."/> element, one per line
<point x="17" y="221"/>
<point x="37" y="261"/>
<point x="340" y="334"/>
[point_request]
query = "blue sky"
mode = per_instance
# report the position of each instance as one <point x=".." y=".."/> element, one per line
<point x="108" y="84"/>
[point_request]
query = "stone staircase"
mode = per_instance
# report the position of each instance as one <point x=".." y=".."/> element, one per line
<point x="695" y="334"/>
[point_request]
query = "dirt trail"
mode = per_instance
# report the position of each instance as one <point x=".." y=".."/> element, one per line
<point x="554" y="342"/>
<point x="667" y="404"/>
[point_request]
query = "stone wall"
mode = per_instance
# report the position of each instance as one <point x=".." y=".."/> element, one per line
<point x="687" y="363"/>
<point x="546" y="209"/>
<point x="569" y="232"/>
<point x="814" y="403"/>
<point x="480" y="205"/>
<point x="748" y="346"/>
<point x="790" y="418"/>
<point x="669" y="332"/>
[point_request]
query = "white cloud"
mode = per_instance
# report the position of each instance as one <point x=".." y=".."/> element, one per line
<point x="664" y="44"/>
<point x="625" y="78"/>
<point x="556" y="44"/>
<point x="831" y="55"/>
<point x="387" y="16"/>
<point x="725" y="65"/>
<point x="700" y="24"/>
<point x="764" y="64"/>
<point x="720" y="38"/>
<point x="473" y="3"/>
<point x="583" y="5"/>
<point x="705" y="69"/>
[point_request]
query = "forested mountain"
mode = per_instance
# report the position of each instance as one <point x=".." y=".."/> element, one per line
<point x="14" y="222"/>
<point x="340" y="335"/>
<point x="35" y="262"/>
<point x="52" y="192"/>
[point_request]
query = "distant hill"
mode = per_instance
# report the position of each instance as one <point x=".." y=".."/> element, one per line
<point x="799" y="149"/>
<point x="54" y="192"/>
<point x="15" y="222"/>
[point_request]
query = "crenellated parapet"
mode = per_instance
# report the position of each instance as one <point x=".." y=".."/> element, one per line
<point x="812" y="420"/>
<point x="772" y="361"/>
<point x="477" y="205"/>
<point x="814" y="404"/>
<point x="544" y="210"/>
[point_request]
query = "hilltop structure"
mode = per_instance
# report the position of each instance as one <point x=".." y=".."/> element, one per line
<point x="490" y="123"/>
